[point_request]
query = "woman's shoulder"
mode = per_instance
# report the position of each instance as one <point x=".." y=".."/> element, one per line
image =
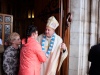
<point x="9" y="49"/>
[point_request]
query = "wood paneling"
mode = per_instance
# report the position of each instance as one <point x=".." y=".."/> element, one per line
<point x="43" y="10"/>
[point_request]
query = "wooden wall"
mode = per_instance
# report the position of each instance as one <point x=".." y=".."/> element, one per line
<point x="43" y="10"/>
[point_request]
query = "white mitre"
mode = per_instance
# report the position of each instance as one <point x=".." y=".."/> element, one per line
<point x="52" y="22"/>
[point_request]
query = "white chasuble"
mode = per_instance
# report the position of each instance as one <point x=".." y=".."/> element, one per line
<point x="50" y="66"/>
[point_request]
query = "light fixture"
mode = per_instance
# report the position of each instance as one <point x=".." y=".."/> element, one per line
<point x="30" y="14"/>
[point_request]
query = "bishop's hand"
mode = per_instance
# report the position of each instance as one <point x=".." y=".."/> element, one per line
<point x="63" y="47"/>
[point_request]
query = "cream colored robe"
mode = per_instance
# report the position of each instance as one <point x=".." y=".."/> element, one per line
<point x="50" y="66"/>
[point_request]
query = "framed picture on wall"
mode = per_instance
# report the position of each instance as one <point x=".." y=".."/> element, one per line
<point x="1" y="18"/>
<point x="7" y="19"/>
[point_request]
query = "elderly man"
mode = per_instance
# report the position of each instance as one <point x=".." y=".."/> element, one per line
<point x="52" y="46"/>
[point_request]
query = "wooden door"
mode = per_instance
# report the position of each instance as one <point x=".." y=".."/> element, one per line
<point x="6" y="26"/>
<point x="64" y="33"/>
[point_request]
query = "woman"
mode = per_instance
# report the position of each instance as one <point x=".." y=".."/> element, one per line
<point x="11" y="55"/>
<point x="31" y="55"/>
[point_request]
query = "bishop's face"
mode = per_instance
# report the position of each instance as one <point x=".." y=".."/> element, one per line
<point x="49" y="31"/>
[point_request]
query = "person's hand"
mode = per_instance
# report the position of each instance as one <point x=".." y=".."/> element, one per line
<point x="63" y="46"/>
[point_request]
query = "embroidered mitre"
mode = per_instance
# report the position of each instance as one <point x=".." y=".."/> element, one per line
<point x="52" y="22"/>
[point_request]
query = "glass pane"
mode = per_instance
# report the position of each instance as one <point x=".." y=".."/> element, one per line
<point x="7" y="31"/>
<point x="7" y="19"/>
<point x="1" y="18"/>
<point x="1" y="31"/>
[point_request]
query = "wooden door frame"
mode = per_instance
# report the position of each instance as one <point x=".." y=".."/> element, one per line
<point x="3" y="23"/>
<point x="65" y="9"/>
